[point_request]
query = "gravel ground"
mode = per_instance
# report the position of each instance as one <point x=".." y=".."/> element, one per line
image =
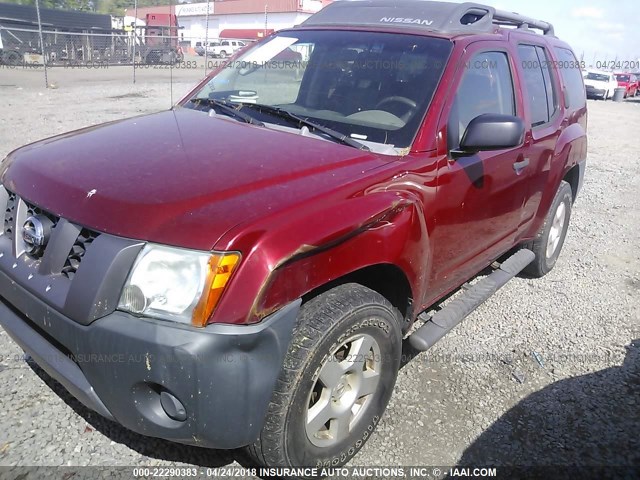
<point x="479" y="397"/>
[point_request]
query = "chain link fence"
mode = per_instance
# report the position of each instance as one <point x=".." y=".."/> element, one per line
<point x="99" y="42"/>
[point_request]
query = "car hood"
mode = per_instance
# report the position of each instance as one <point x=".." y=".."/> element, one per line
<point x="178" y="177"/>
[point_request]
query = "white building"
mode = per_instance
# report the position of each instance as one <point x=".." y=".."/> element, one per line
<point x="246" y="19"/>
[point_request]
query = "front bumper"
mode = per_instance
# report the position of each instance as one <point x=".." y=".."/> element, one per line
<point x="595" y="92"/>
<point x="222" y="375"/>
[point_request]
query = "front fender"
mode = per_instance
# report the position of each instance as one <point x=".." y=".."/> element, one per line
<point x="294" y="252"/>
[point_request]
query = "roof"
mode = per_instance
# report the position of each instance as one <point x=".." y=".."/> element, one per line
<point x="21" y="16"/>
<point x="441" y="17"/>
<point x="245" y="33"/>
<point x="233" y="7"/>
<point x="227" y="7"/>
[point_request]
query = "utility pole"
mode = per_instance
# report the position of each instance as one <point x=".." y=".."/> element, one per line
<point x="135" y="37"/>
<point x="44" y="59"/>
<point x="206" y="40"/>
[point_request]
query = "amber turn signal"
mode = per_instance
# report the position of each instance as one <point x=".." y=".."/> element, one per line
<point x="220" y="268"/>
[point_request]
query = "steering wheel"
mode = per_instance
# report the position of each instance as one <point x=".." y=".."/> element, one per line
<point x="399" y="99"/>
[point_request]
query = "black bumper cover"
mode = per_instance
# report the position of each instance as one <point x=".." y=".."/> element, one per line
<point x="118" y="365"/>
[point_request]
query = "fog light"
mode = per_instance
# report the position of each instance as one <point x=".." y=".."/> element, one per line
<point x="172" y="406"/>
<point x="133" y="299"/>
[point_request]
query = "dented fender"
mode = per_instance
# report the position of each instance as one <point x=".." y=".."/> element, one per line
<point x="294" y="252"/>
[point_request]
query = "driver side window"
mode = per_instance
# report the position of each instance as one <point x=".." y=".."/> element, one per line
<point x="486" y="87"/>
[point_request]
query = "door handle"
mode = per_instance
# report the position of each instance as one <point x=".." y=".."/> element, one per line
<point x="517" y="166"/>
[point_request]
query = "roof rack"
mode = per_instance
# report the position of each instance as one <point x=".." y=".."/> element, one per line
<point x="502" y="17"/>
<point x="443" y="17"/>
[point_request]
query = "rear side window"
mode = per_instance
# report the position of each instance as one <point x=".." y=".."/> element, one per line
<point x="538" y="83"/>
<point x="552" y="94"/>
<point x="486" y="87"/>
<point x="569" y="69"/>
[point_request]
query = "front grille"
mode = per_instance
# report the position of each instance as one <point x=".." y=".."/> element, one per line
<point x="84" y="240"/>
<point x="10" y="213"/>
<point x="12" y="223"/>
<point x="34" y="210"/>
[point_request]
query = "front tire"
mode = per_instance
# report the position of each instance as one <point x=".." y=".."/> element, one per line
<point x="550" y="239"/>
<point x="336" y="381"/>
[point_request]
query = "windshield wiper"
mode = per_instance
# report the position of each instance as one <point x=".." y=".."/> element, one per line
<point x="279" y="112"/>
<point x="229" y="109"/>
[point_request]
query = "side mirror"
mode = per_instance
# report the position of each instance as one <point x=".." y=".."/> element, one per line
<point x="491" y="131"/>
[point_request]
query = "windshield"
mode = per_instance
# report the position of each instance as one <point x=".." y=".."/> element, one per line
<point x="622" y="78"/>
<point x="599" y="77"/>
<point x="372" y="87"/>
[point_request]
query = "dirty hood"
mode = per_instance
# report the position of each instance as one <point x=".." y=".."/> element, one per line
<point x="177" y="177"/>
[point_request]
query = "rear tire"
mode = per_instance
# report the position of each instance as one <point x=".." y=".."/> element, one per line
<point x="548" y="243"/>
<point x="336" y="381"/>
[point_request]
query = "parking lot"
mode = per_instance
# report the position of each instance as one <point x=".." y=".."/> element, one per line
<point x="547" y="372"/>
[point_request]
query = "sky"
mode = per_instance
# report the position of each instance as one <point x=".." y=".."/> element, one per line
<point x="598" y="30"/>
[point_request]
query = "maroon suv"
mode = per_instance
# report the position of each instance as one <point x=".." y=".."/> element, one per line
<point x="244" y="277"/>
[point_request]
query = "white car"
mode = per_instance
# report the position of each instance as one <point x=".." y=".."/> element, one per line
<point x="226" y="48"/>
<point x="600" y="84"/>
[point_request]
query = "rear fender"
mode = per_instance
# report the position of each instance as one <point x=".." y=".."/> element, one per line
<point x="570" y="150"/>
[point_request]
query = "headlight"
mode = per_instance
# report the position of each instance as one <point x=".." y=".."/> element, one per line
<point x="177" y="284"/>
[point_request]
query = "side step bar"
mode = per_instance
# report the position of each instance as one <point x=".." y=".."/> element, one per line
<point x="452" y="314"/>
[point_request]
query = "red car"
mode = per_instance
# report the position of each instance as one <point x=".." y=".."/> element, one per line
<point x="241" y="270"/>
<point x="630" y="82"/>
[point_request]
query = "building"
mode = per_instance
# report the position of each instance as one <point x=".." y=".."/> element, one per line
<point x="67" y="34"/>
<point x="24" y="17"/>
<point x="248" y="19"/>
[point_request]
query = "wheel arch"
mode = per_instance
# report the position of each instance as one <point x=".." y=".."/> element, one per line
<point x="572" y="177"/>
<point x="387" y="279"/>
<point x="384" y="257"/>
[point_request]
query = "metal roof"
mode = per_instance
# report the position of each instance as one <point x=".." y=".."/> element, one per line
<point x="442" y="17"/>
<point x="25" y="15"/>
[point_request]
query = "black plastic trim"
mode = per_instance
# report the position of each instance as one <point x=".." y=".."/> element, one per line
<point x="96" y="287"/>
<point x="51" y="360"/>
<point x="223" y="375"/>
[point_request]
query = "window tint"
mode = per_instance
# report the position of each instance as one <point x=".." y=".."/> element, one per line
<point x="550" y="86"/>
<point x="534" y="84"/>
<point x="599" y="77"/>
<point x="486" y="87"/>
<point x="569" y="69"/>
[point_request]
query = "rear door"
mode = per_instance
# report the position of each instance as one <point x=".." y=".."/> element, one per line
<point x="544" y="117"/>
<point x="480" y="197"/>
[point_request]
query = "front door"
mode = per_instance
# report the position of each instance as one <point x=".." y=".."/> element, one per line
<point x="480" y="197"/>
